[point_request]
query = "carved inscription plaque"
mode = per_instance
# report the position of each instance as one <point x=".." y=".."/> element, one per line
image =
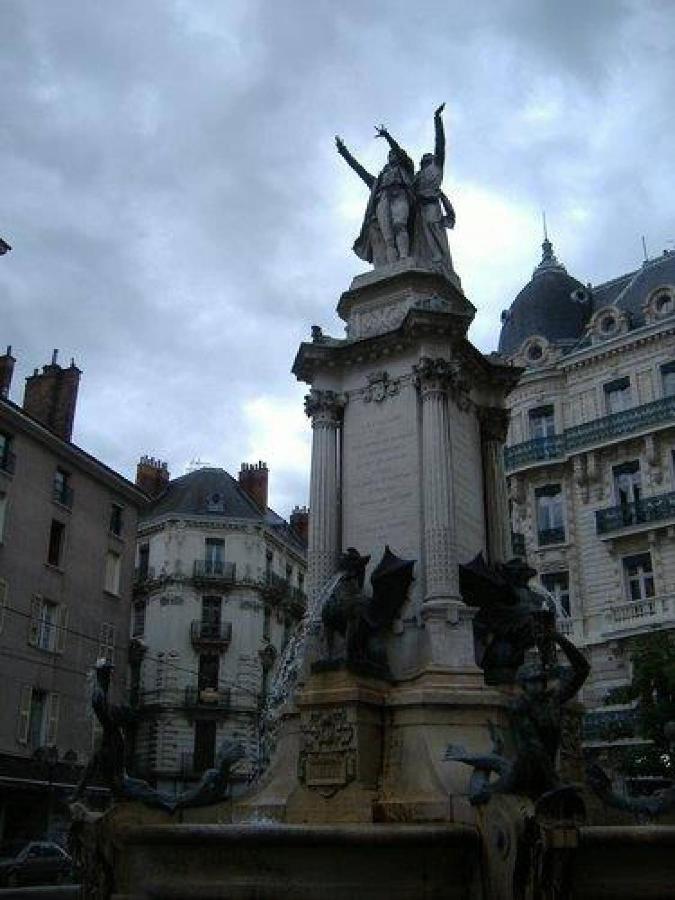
<point x="381" y="475"/>
<point x="326" y="769"/>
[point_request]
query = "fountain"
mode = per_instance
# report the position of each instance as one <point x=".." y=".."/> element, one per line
<point x="420" y="735"/>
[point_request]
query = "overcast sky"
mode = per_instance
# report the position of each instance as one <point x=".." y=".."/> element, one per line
<point x="179" y="217"/>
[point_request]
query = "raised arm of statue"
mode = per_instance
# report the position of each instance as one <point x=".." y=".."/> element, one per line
<point x="572" y="679"/>
<point x="353" y="162"/>
<point x="439" y="149"/>
<point x="403" y="157"/>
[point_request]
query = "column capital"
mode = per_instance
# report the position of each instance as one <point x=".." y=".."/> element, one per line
<point x="324" y="407"/>
<point x="494" y="423"/>
<point x="437" y="375"/>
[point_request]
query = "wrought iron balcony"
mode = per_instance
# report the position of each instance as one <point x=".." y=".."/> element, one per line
<point x="214" y="570"/>
<point x="143" y="574"/>
<point x="8" y="462"/>
<point x="551" y="536"/>
<point x="276" y="584"/>
<point x="646" y="510"/>
<point x="536" y="450"/>
<point x="64" y="495"/>
<point x="207" y="698"/>
<point x="597" y="431"/>
<point x="627" y="421"/>
<point x="210" y="632"/>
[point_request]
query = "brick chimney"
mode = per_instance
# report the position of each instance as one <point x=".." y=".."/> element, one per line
<point x="152" y="476"/>
<point x="253" y="477"/>
<point x="6" y="371"/>
<point x="299" y="522"/>
<point x="51" y="396"/>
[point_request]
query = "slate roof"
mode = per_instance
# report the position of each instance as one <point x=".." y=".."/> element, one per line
<point x="652" y="274"/>
<point x="545" y="306"/>
<point x="215" y="493"/>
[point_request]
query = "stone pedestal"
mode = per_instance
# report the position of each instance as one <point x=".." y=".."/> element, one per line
<point x="404" y="461"/>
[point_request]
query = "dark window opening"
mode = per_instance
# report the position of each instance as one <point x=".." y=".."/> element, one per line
<point x="209" y="666"/>
<point x="205" y="745"/>
<point x="57" y="533"/>
<point x="558" y="584"/>
<point x="63" y="492"/>
<point x="116" y="519"/>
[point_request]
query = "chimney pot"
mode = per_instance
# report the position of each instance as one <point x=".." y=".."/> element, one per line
<point x="51" y="397"/>
<point x="254" y="480"/>
<point x="152" y="476"/>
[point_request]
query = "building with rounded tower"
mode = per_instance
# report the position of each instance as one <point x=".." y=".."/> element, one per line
<point x="590" y="458"/>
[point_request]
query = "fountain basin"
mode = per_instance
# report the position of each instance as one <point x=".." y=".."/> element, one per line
<point x="303" y="862"/>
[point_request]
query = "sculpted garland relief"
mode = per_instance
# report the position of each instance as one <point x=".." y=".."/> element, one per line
<point x="327" y="760"/>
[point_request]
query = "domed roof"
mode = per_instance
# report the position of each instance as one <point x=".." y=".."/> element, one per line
<point x="653" y="273"/>
<point x="545" y="307"/>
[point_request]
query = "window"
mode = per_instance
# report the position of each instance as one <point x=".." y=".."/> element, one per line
<point x="558" y="584"/>
<point x="542" y="423"/>
<point x="639" y="577"/>
<point x="38" y="717"/>
<point x="57" y="533"/>
<point x="210" y="625"/>
<point x="668" y="379"/>
<point x="143" y="562"/>
<point x="205" y="745"/>
<point x="289" y="573"/>
<point x="664" y="303"/>
<point x="6" y="455"/>
<point x="3" y="601"/>
<point x="106" y="642"/>
<point x="3" y="515"/>
<point x="209" y="667"/>
<point x="627" y="484"/>
<point x="138" y="623"/>
<point x="550" y="523"/>
<point x="617" y="395"/>
<point x="116" y="519"/>
<point x="48" y="625"/>
<point x="267" y="621"/>
<point x="113" y="564"/>
<point x="215" y="556"/>
<point x="62" y="491"/>
<point x="269" y="562"/>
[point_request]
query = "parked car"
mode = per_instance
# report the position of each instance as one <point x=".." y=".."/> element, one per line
<point x="33" y="862"/>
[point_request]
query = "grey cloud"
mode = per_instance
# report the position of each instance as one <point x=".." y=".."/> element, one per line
<point x="171" y="190"/>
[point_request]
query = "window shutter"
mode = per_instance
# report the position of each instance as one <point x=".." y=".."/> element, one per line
<point x="24" y="714"/>
<point x="3" y="601"/>
<point x="52" y="719"/>
<point x="62" y="629"/>
<point x="34" y="624"/>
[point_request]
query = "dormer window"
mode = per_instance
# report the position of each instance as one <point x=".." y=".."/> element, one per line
<point x="215" y="502"/>
<point x="664" y="303"/>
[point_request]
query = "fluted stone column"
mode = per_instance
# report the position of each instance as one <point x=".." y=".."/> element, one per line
<point x="447" y="619"/>
<point x="325" y="409"/>
<point x="494" y="423"/>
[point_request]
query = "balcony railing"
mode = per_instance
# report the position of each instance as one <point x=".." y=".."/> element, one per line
<point x="207" y="698"/>
<point x="597" y="431"/>
<point x="210" y="632"/>
<point x="298" y="596"/>
<point x="143" y="574"/>
<point x="536" y="450"/>
<point x="551" y="536"/>
<point x="276" y="583"/>
<point x="64" y="495"/>
<point x="641" y="512"/>
<point x="8" y="462"/>
<point x="214" y="569"/>
<point x="637" y="612"/>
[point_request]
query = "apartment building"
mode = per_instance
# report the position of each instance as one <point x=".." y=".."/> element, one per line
<point x="67" y="545"/>
<point x="219" y="586"/>
<point x="590" y="457"/>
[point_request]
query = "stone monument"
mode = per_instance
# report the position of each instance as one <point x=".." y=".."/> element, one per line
<point x="411" y="753"/>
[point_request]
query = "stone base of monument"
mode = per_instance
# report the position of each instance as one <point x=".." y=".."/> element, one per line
<point x="358" y="749"/>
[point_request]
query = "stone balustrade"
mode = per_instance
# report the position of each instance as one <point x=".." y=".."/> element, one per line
<point x="634" y="613"/>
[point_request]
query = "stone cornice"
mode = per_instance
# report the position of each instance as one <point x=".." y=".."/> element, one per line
<point x="617" y="346"/>
<point x="417" y="323"/>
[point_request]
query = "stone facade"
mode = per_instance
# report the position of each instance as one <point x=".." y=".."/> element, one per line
<point x="67" y="543"/>
<point x="590" y="465"/>
<point x="220" y="584"/>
